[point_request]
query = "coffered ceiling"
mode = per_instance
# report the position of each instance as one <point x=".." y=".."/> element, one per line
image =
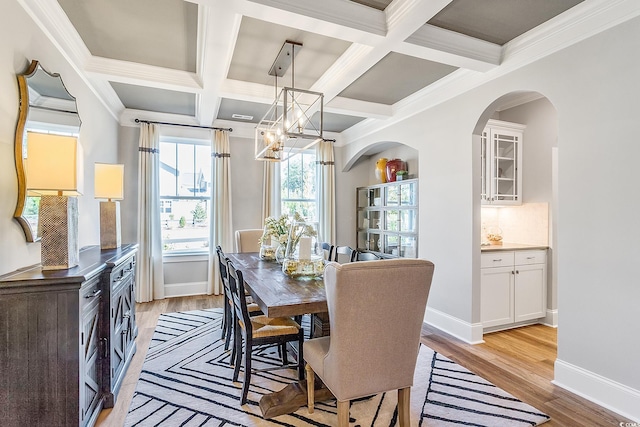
<point x="203" y="61"/>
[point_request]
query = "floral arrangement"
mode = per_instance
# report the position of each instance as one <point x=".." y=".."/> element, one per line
<point x="275" y="227"/>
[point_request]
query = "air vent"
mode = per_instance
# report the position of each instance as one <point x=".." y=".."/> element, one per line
<point x="241" y="117"/>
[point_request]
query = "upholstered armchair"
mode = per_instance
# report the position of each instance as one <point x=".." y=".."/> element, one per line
<point x="376" y="310"/>
<point x="247" y="240"/>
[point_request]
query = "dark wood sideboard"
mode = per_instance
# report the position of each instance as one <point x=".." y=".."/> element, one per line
<point x="66" y="338"/>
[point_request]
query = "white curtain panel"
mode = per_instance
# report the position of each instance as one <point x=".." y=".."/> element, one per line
<point x="150" y="275"/>
<point x="271" y="190"/>
<point x="326" y="179"/>
<point x="221" y="228"/>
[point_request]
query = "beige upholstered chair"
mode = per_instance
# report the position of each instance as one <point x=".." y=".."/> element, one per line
<point x="247" y="240"/>
<point x="376" y="310"/>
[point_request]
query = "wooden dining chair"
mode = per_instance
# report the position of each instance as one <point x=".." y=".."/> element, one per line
<point x="366" y="256"/>
<point x="256" y="331"/>
<point x="374" y="341"/>
<point x="328" y="250"/>
<point x="343" y="254"/>
<point x="229" y="315"/>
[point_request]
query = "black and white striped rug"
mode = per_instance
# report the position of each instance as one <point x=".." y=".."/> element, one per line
<point x="186" y="381"/>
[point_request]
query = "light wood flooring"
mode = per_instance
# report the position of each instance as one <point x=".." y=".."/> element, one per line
<point x="519" y="361"/>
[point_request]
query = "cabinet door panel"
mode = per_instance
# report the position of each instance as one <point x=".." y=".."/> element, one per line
<point x="496" y="304"/>
<point x="530" y="293"/>
<point x="90" y="344"/>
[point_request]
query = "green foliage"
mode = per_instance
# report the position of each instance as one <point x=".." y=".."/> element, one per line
<point x="199" y="213"/>
<point x="32" y="205"/>
<point x="182" y="222"/>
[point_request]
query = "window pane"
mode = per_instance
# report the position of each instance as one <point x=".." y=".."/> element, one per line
<point x="298" y="186"/>
<point x="203" y="169"/>
<point x="168" y="169"/>
<point x="186" y="226"/>
<point x="186" y="174"/>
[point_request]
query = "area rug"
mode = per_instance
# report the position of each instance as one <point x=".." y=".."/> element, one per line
<point x="186" y="381"/>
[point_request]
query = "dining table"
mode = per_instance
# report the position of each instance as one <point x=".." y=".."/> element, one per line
<point x="279" y="295"/>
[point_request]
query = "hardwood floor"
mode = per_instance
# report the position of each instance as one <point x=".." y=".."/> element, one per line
<point x="519" y="361"/>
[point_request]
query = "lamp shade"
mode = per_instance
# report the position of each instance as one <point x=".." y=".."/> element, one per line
<point x="54" y="164"/>
<point x="109" y="181"/>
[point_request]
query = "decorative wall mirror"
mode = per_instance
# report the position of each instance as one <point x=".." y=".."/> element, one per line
<point x="45" y="106"/>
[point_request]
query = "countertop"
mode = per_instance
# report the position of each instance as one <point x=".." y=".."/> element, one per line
<point x="510" y="247"/>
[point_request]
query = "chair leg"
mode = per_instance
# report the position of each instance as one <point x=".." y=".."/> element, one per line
<point x="229" y="327"/>
<point x="237" y="352"/>
<point x="247" y="371"/>
<point x="343" y="413"/>
<point x="311" y="377"/>
<point x="404" y="402"/>
<point x="300" y="354"/>
<point x="283" y="354"/>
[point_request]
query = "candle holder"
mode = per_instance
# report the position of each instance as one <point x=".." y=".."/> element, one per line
<point x="303" y="255"/>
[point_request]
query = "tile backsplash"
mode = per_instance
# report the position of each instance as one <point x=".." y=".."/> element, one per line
<point x="526" y="224"/>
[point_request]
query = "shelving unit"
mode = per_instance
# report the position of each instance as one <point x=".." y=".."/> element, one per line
<point x="501" y="157"/>
<point x="387" y="218"/>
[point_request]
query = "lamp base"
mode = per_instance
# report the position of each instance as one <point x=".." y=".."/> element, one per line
<point x="59" y="227"/>
<point x="110" y="225"/>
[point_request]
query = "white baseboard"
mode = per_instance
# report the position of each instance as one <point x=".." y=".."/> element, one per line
<point x="185" y="289"/>
<point x="609" y="394"/>
<point x="551" y="319"/>
<point x="467" y="332"/>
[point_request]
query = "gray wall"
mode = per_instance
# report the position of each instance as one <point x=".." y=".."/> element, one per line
<point x="20" y="42"/>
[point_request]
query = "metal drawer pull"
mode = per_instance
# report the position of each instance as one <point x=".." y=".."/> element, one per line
<point x="496" y="260"/>
<point x="531" y="257"/>
<point x="118" y="279"/>
<point x="128" y="270"/>
<point x="94" y="294"/>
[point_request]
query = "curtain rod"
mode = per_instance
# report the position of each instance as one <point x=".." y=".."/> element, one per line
<point x="179" y="124"/>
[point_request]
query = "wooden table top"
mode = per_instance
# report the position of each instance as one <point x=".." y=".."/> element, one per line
<point x="277" y="294"/>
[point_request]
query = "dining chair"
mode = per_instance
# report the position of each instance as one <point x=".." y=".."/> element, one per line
<point x="343" y="254"/>
<point x="228" y="315"/>
<point x="374" y="340"/>
<point x="248" y="240"/>
<point x="328" y="250"/>
<point x="366" y="256"/>
<point x="251" y="332"/>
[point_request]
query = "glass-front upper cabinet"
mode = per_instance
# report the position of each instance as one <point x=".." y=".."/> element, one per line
<point x="501" y="163"/>
<point x="387" y="218"/>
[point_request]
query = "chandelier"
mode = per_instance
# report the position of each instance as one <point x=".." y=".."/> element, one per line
<point x="294" y="121"/>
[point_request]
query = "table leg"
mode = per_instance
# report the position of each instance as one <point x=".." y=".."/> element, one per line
<point x="291" y="398"/>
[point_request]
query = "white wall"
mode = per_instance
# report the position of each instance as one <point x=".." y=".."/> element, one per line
<point x="20" y="42"/>
<point x="593" y="86"/>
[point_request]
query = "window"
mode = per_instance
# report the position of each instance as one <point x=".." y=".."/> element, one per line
<point x="185" y="191"/>
<point x="298" y="190"/>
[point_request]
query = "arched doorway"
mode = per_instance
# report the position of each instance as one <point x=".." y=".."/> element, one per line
<point x="532" y="221"/>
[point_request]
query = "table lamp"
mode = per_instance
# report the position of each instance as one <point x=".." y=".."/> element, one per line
<point x="109" y="184"/>
<point x="54" y="172"/>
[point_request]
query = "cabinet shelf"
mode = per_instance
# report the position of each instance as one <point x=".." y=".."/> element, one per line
<point x="387" y="218"/>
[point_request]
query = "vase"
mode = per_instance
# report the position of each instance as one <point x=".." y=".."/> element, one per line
<point x="381" y="171"/>
<point x="393" y="166"/>
<point x="304" y="256"/>
<point x="280" y="251"/>
<point x="268" y="252"/>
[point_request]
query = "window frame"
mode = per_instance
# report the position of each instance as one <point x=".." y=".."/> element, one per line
<point x="193" y="142"/>
<point x="314" y="200"/>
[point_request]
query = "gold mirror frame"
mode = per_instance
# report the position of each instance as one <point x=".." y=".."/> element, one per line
<point x="45" y="106"/>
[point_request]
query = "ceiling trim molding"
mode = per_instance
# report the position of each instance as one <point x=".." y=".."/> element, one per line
<point x="54" y="23"/>
<point x="452" y="48"/>
<point x="520" y="99"/>
<point x="347" y="68"/>
<point x="143" y="75"/>
<point x="358" y="108"/>
<point x="247" y="91"/>
<point x="400" y="13"/>
<point x="556" y="34"/>
<point x="347" y="15"/>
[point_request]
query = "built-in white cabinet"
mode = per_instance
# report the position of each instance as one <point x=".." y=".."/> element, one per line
<point x="513" y="287"/>
<point x="501" y="157"/>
